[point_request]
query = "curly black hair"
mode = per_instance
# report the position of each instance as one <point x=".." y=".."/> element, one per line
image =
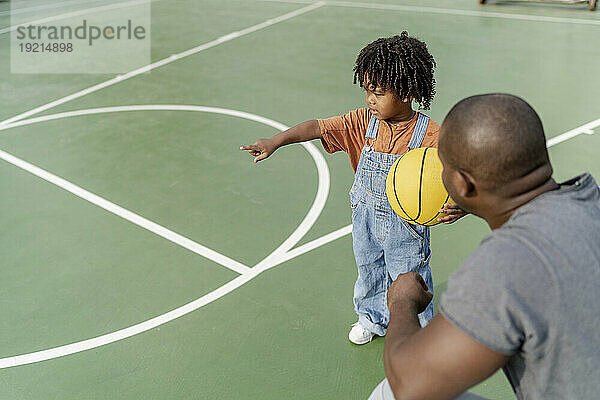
<point x="401" y="64"/>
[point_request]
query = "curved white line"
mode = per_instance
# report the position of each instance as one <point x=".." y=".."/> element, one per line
<point x="98" y="341"/>
<point x="165" y="61"/>
<point x="279" y="255"/>
<point x="147" y="107"/>
<point x="274" y="258"/>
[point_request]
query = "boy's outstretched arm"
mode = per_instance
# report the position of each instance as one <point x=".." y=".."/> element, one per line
<point x="303" y="132"/>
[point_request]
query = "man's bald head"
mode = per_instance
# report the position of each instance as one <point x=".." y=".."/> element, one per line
<point x="497" y="138"/>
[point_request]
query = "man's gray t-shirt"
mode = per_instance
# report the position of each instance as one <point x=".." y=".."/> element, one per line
<point x="531" y="290"/>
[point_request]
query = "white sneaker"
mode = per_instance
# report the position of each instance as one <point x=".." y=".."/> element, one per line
<point x="359" y="335"/>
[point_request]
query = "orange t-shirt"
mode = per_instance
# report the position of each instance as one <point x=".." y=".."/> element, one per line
<point x="347" y="133"/>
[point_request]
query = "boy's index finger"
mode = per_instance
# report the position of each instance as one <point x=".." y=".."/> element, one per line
<point x="249" y="147"/>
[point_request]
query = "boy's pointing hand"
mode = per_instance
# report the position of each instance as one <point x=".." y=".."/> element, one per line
<point x="261" y="149"/>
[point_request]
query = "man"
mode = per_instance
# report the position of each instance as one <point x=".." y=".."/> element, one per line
<point x="526" y="299"/>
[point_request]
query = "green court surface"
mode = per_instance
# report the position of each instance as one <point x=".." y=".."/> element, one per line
<point x="115" y="220"/>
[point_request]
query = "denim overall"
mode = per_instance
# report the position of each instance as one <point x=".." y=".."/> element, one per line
<point x="384" y="244"/>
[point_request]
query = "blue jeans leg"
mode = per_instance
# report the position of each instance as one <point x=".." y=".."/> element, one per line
<point x="370" y="289"/>
<point x="384" y="247"/>
<point x="423" y="268"/>
<point x="370" y="296"/>
<point x="406" y="248"/>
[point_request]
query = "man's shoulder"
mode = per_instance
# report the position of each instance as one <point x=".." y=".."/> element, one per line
<point x="501" y="252"/>
<point x="486" y="295"/>
<point x="554" y="219"/>
<point x="579" y="193"/>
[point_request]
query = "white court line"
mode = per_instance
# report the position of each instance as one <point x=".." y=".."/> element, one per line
<point x="323" y="240"/>
<point x="275" y="258"/>
<point x="127" y="332"/>
<point x="23" y="10"/>
<point x="279" y="255"/>
<point x="165" y="61"/>
<point x="309" y="219"/>
<point x="587" y="129"/>
<point x="272" y="259"/>
<point x="206" y="299"/>
<point x="450" y="11"/>
<point x="147" y="107"/>
<point x="76" y="13"/>
<point x="126" y="214"/>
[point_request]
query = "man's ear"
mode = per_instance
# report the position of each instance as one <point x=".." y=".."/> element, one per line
<point x="465" y="184"/>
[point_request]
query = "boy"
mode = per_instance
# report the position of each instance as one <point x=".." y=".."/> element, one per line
<point x="393" y="71"/>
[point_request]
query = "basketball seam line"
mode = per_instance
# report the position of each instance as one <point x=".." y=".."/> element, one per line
<point x="395" y="193"/>
<point x="421" y="183"/>
<point x="436" y="215"/>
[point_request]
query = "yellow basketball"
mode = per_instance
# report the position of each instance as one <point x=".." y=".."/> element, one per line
<point x="414" y="186"/>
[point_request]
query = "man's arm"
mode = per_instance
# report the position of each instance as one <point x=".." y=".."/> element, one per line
<point x="436" y="362"/>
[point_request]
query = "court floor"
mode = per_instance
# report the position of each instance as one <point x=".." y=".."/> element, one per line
<point x="145" y="256"/>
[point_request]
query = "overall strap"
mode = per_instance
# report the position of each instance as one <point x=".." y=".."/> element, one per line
<point x="372" y="128"/>
<point x="419" y="132"/>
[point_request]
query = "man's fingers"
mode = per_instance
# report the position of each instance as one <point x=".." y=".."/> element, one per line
<point x="429" y="295"/>
<point x="449" y="219"/>
<point x="452" y="206"/>
<point x="421" y="281"/>
<point x="409" y="288"/>
<point x="450" y="212"/>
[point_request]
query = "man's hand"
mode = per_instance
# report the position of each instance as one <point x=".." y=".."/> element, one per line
<point x="435" y="362"/>
<point x="409" y="290"/>
<point x="261" y="149"/>
<point x="452" y="213"/>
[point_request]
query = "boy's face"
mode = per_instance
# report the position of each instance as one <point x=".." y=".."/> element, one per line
<point x="383" y="103"/>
